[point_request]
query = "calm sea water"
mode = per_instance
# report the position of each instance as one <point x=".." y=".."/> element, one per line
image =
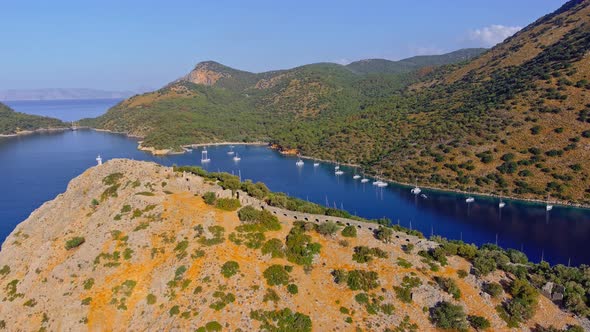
<point x="65" y="110"/>
<point x="36" y="168"/>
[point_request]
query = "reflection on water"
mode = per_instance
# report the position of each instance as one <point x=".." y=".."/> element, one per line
<point x="38" y="167"/>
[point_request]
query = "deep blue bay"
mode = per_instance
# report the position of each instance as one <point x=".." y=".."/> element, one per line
<point x="35" y="168"/>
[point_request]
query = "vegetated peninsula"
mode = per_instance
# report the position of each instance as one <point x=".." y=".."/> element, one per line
<point x="514" y="120"/>
<point x="14" y="123"/>
<point x="137" y="246"/>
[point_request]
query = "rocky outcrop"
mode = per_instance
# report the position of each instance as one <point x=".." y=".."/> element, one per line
<point x="205" y="73"/>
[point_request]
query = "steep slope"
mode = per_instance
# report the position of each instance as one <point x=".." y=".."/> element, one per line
<point x="215" y="102"/>
<point x="12" y="123"/>
<point x="373" y="66"/>
<point x="132" y="245"/>
<point x="514" y="121"/>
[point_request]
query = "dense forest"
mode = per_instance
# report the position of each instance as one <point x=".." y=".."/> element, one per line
<point x="513" y="120"/>
<point x="12" y="122"/>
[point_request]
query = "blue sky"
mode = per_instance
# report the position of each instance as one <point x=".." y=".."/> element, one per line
<point x="117" y="45"/>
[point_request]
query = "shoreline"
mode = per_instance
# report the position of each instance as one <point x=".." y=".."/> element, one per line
<point x="40" y="130"/>
<point x="456" y="191"/>
<point x="290" y="152"/>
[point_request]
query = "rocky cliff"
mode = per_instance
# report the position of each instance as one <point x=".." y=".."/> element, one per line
<point x="133" y="246"/>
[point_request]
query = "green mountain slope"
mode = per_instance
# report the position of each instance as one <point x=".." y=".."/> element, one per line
<point x="371" y="66"/>
<point x="12" y="122"/>
<point x="512" y="121"/>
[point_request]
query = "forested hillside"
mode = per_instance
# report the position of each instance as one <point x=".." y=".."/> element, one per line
<point x="373" y="66"/>
<point x="12" y="122"/>
<point x="512" y="121"/>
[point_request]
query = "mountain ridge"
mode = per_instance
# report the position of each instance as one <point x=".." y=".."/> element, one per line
<point x="512" y="121"/>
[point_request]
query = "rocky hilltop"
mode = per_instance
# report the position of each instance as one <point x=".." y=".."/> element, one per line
<point x="137" y="246"/>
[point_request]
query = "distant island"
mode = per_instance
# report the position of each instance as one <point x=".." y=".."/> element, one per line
<point x="61" y="94"/>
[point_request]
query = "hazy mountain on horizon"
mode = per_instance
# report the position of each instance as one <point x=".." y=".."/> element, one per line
<point x="62" y="94"/>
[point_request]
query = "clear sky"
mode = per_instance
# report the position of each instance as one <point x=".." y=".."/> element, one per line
<point x="128" y="44"/>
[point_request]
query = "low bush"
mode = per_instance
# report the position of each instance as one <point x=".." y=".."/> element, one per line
<point x="209" y="198"/>
<point x="229" y="269"/>
<point x="276" y="275"/>
<point x="227" y="204"/>
<point x="446" y="315"/>
<point x="349" y="231"/>
<point x="74" y="242"/>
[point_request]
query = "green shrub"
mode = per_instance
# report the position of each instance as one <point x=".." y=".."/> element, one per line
<point x="112" y="179"/>
<point x="449" y="285"/>
<point x="276" y="275"/>
<point x="478" y="322"/>
<point x="74" y="242"/>
<point x="248" y="213"/>
<point x="227" y="204"/>
<point x="404" y="291"/>
<point x="462" y="274"/>
<point x="446" y="315"/>
<point x="299" y="247"/>
<point x="292" y="289"/>
<point x="230" y="268"/>
<point x="357" y="279"/>
<point x="493" y="288"/>
<point x="271" y="295"/>
<point x="364" y="254"/>
<point x="349" y="231"/>
<point x="221" y="300"/>
<point x="151" y="299"/>
<point x="282" y="320"/>
<point x="4" y="270"/>
<point x="274" y="247"/>
<point x="209" y="198"/>
<point x="175" y="310"/>
<point x="384" y="234"/>
<point x="403" y="263"/>
<point x="328" y="228"/>
<point x="88" y="283"/>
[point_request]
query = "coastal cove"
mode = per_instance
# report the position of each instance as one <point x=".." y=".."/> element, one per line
<point x="557" y="236"/>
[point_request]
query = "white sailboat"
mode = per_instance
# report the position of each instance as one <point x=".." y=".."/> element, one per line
<point x="299" y="162"/>
<point x="380" y="183"/>
<point x="231" y="150"/>
<point x="356" y="176"/>
<point x="204" y="156"/>
<point x="316" y="164"/>
<point x="501" y="204"/>
<point x="237" y="158"/>
<point x="364" y="180"/>
<point x="416" y="190"/>
<point x="337" y="170"/>
<point x="548" y="207"/>
<point x="470" y="199"/>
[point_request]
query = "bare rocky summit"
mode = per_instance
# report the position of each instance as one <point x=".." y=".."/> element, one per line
<point x="133" y="246"/>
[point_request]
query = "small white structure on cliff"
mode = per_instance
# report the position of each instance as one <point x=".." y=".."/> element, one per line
<point x="99" y="160"/>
